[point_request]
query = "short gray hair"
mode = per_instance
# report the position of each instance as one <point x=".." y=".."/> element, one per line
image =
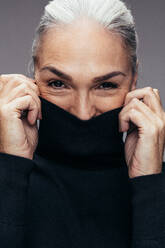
<point x="112" y="14"/>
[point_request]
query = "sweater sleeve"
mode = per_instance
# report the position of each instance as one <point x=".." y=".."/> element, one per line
<point x="148" y="210"/>
<point x="14" y="173"/>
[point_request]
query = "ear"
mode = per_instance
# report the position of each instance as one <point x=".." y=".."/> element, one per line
<point x="135" y="78"/>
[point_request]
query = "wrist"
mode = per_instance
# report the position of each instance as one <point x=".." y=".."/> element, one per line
<point x="19" y="154"/>
<point x="133" y="174"/>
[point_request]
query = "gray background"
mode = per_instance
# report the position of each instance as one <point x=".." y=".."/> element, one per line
<point x="19" y="18"/>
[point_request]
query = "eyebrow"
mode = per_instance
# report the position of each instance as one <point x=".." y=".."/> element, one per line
<point x="96" y="79"/>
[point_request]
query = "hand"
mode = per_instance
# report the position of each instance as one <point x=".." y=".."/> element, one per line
<point x="145" y="142"/>
<point x="19" y="134"/>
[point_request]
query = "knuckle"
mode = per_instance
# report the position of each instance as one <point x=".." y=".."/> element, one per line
<point x="30" y="98"/>
<point x="20" y="76"/>
<point x="132" y="110"/>
<point x="156" y="90"/>
<point x="134" y="102"/>
<point x="149" y="89"/>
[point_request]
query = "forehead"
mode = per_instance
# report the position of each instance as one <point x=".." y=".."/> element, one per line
<point x="82" y="42"/>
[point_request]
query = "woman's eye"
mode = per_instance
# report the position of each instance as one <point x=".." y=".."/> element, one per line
<point x="56" y="84"/>
<point x="107" y="86"/>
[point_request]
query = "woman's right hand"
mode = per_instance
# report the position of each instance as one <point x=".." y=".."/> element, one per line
<point x="18" y="134"/>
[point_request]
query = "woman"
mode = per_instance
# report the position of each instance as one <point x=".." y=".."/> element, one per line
<point x="74" y="182"/>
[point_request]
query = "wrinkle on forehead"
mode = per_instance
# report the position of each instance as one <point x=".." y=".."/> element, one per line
<point x="81" y="42"/>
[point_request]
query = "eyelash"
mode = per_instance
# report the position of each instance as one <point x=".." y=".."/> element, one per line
<point x="112" y="85"/>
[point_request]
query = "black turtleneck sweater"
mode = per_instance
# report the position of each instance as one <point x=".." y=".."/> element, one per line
<point x="76" y="192"/>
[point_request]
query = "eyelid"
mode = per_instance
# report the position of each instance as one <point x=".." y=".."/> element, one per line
<point x="114" y="85"/>
<point x="55" y="80"/>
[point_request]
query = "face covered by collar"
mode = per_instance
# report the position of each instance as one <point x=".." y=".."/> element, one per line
<point x="93" y="143"/>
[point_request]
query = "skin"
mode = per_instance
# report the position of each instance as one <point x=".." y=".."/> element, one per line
<point x="84" y="54"/>
<point x="84" y="50"/>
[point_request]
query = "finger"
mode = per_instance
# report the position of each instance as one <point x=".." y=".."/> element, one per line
<point x="137" y="118"/>
<point x="156" y="91"/>
<point x="143" y="108"/>
<point x="29" y="81"/>
<point x="8" y="77"/>
<point x="149" y="98"/>
<point x="23" y="90"/>
<point x="13" y="80"/>
<point x="32" y="84"/>
<point x="26" y="103"/>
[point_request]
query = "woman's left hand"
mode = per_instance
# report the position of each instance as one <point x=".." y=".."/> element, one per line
<point x="145" y="143"/>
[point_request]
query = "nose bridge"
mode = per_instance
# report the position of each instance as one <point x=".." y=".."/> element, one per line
<point x="83" y="106"/>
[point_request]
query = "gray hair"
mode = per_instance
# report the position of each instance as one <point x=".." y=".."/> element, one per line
<point x="112" y="14"/>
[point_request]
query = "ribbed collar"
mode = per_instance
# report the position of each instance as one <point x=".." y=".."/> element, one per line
<point x="93" y="143"/>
